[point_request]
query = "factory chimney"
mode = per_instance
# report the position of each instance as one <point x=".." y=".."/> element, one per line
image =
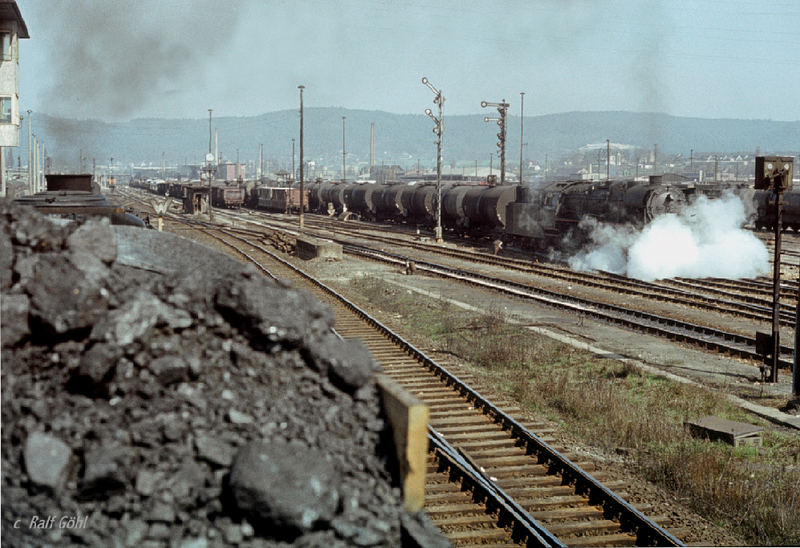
<point x="260" y="162"/>
<point x="371" y="145"/>
<point x="655" y="159"/>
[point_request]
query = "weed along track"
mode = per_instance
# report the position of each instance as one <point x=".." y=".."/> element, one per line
<point x="492" y="478"/>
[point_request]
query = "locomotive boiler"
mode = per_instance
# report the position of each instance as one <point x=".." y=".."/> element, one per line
<point x="546" y="215"/>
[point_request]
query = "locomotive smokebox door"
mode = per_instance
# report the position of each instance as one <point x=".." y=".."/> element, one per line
<point x="774" y="172"/>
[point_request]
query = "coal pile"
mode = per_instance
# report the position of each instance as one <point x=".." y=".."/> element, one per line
<point x="206" y="406"/>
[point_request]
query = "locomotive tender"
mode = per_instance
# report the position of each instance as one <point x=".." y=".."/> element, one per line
<point x="76" y="197"/>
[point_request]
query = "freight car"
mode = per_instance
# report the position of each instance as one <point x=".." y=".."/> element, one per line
<point x="76" y="197"/>
<point x="365" y="199"/>
<point x="227" y="196"/>
<point x="280" y="199"/>
<point x="479" y="207"/>
<point x="175" y="189"/>
<point x="391" y="205"/>
<point x="332" y="198"/>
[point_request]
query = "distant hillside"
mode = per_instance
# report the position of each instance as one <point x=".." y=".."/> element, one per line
<point x="399" y="138"/>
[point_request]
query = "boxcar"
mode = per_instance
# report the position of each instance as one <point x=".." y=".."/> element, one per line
<point x="227" y="196"/>
<point x="281" y="199"/>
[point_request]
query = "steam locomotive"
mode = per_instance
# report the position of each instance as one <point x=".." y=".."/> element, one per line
<point x="545" y="215"/>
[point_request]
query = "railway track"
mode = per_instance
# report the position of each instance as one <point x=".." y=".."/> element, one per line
<point x="708" y="338"/>
<point x="674" y="329"/>
<point x="491" y="479"/>
<point x="719" y="340"/>
<point x="746" y="298"/>
<point x="743" y="298"/>
<point x="752" y="300"/>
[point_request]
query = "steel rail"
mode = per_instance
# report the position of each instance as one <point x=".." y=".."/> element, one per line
<point x="648" y="532"/>
<point x="752" y="307"/>
<point x="536" y="534"/>
<point x="739" y="345"/>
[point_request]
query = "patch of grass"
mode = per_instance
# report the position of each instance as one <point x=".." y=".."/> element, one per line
<point x="610" y="404"/>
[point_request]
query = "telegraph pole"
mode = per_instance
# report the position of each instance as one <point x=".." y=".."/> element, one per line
<point x="301" y="88"/>
<point x="438" y="129"/>
<point x="292" y="178"/>
<point x="344" y="168"/>
<point x="209" y="167"/>
<point x="502" y="108"/>
<point x="521" y="134"/>
<point x="608" y="160"/>
<point x="35" y="163"/>
<point x="30" y="167"/>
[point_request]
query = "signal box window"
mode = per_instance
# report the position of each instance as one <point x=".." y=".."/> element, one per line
<point x="5" y="110"/>
<point x="5" y="45"/>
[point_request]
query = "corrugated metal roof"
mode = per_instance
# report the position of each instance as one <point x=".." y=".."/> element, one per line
<point x="9" y="11"/>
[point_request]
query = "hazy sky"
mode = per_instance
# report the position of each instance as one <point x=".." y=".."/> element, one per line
<point x="117" y="60"/>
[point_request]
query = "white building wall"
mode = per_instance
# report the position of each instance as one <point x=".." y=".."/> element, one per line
<point x="9" y="87"/>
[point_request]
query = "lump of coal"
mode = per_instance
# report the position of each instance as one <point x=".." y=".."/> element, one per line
<point x="63" y="302"/>
<point x="96" y="369"/>
<point x="285" y="487"/>
<point x="269" y="314"/>
<point x="150" y="367"/>
<point x="47" y="460"/>
<point x="106" y="470"/>
<point x="14" y="319"/>
<point x="350" y="364"/>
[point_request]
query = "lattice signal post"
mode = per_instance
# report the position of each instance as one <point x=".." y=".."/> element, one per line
<point x="774" y="173"/>
<point x="438" y="129"/>
<point x="502" y="108"/>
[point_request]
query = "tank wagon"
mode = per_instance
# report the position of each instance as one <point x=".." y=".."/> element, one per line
<point x="453" y="210"/>
<point x="421" y="204"/>
<point x="332" y="198"/>
<point x="392" y="203"/>
<point x="365" y="199"/>
<point x="487" y="207"/>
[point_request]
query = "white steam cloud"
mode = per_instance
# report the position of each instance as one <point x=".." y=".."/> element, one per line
<point x="705" y="240"/>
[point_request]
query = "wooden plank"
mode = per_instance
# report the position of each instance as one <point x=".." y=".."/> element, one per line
<point x="731" y="432"/>
<point x="408" y="417"/>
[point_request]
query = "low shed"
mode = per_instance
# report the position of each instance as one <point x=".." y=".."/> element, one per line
<point x="195" y="199"/>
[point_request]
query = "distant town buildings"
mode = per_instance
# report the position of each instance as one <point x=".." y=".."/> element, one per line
<point x="229" y="171"/>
